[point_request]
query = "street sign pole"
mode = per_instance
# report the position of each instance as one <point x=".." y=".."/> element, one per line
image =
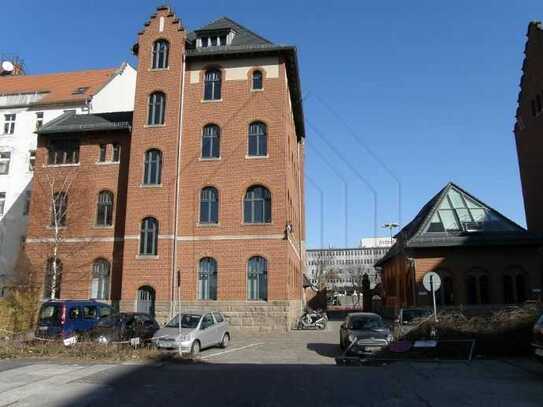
<point x="432" y="282"/>
<point x="433" y="297"/>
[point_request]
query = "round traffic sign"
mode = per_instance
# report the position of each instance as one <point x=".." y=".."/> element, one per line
<point x="431" y="281"/>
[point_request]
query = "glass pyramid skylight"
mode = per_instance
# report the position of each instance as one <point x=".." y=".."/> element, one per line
<point x="457" y="212"/>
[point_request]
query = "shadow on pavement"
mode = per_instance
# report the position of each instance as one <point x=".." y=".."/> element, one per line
<point x="164" y="384"/>
<point x="330" y="350"/>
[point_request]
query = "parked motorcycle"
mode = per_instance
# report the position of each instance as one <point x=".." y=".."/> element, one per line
<point x="312" y="320"/>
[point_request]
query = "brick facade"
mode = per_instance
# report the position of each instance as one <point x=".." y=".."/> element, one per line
<point x="403" y="278"/>
<point x="529" y="127"/>
<point x="175" y="202"/>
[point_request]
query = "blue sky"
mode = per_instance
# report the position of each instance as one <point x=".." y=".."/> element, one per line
<point x="422" y="92"/>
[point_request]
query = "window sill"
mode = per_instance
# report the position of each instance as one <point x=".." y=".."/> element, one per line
<point x="256" y="157"/>
<point x="257" y="90"/>
<point x="147" y="257"/>
<point x="158" y="69"/>
<point x="108" y="227"/>
<point x="209" y="159"/>
<point x="151" y="185"/>
<point x="152" y="126"/>
<point x="208" y="225"/>
<point x="107" y="162"/>
<point x="211" y="100"/>
<point x="61" y="165"/>
<point x="257" y="224"/>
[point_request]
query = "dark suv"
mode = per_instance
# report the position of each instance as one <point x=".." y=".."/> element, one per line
<point x="538" y="338"/>
<point x="64" y="318"/>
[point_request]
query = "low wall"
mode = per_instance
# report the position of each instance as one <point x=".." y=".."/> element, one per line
<point x="242" y="315"/>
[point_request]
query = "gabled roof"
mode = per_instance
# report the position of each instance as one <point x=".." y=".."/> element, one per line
<point x="454" y="217"/>
<point x="76" y="123"/>
<point x="59" y="88"/>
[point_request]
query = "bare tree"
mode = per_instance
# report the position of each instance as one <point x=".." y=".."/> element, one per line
<point x="54" y="189"/>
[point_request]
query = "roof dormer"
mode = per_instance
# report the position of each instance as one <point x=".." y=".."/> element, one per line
<point x="214" y="38"/>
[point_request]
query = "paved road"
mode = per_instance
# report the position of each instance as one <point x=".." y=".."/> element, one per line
<point x="296" y="370"/>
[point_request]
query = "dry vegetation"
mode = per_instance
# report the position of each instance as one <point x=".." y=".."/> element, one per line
<point x="505" y="332"/>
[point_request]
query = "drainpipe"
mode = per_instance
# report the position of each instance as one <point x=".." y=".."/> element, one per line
<point x="176" y="198"/>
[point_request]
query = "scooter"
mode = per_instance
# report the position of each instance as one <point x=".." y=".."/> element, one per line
<point x="312" y="320"/>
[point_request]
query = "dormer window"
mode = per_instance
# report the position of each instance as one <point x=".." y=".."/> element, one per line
<point x="214" y="39"/>
<point x="80" y="91"/>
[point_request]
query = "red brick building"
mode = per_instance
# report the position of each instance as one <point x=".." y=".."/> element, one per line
<point x="529" y="128"/>
<point x="482" y="257"/>
<point x="209" y="186"/>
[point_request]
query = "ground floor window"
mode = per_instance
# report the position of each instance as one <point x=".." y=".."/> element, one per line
<point x="477" y="288"/>
<point x="145" y="300"/>
<point x="514" y="287"/>
<point x="257" y="279"/>
<point x="100" y="280"/>
<point x="207" y="279"/>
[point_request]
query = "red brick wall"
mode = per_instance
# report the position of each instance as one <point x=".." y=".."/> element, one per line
<point x="231" y="242"/>
<point x="457" y="262"/>
<point x="529" y="130"/>
<point x="87" y="180"/>
<point x="155" y="201"/>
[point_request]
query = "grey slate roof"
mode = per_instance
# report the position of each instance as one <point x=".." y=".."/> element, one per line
<point x="415" y="235"/>
<point x="75" y="123"/>
<point x="243" y="36"/>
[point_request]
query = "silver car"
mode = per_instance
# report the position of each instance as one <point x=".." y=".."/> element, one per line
<point x="198" y="331"/>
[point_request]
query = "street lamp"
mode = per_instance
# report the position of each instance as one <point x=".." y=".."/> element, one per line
<point x="390" y="226"/>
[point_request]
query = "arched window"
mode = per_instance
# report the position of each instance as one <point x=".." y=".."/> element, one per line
<point x="157" y="108"/>
<point x="152" y="167"/>
<point x="257" y="279"/>
<point x="212" y="85"/>
<point x="207" y="279"/>
<point x="445" y="294"/>
<point x="149" y="237"/>
<point x="514" y="286"/>
<point x="53" y="278"/>
<point x="257" y="205"/>
<point x="211" y="141"/>
<point x="59" y="209"/>
<point x="257" y="80"/>
<point x="160" y="54"/>
<point x="477" y="288"/>
<point x="104" y="210"/>
<point x="258" y="143"/>
<point x="209" y="205"/>
<point x="100" y="280"/>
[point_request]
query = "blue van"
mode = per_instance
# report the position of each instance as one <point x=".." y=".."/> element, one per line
<point x="64" y="318"/>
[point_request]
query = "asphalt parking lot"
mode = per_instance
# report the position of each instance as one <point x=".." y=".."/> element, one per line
<point x="295" y="347"/>
<point x="265" y="370"/>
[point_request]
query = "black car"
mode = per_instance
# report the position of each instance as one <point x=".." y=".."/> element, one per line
<point x="125" y="326"/>
<point x="538" y="338"/>
<point x="364" y="333"/>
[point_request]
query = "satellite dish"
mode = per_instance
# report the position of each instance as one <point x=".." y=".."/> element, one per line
<point x="7" y="66"/>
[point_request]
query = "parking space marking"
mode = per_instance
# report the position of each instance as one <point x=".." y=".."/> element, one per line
<point x="252" y="345"/>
